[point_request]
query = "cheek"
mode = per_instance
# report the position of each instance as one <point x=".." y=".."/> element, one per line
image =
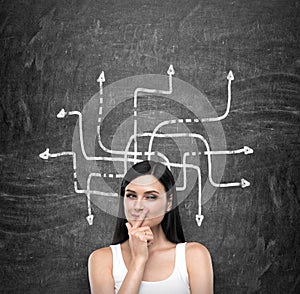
<point x="156" y="208"/>
<point x="126" y="206"/>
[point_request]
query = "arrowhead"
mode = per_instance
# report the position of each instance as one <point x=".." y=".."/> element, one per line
<point x="230" y="76"/>
<point x="248" y="150"/>
<point x="45" y="155"/>
<point x="61" y="114"/>
<point x="101" y="77"/>
<point x="199" y="219"/>
<point x="244" y="183"/>
<point x="171" y="70"/>
<point x="90" y="219"/>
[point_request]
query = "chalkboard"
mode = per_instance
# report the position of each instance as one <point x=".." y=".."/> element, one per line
<point x="51" y="56"/>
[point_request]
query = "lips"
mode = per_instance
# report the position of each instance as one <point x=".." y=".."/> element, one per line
<point x="136" y="216"/>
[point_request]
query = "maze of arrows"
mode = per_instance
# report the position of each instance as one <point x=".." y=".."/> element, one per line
<point x="131" y="153"/>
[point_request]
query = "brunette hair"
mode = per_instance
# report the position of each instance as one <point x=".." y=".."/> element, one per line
<point x="171" y="223"/>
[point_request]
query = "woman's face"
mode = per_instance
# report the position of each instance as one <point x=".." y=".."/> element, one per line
<point x="146" y="193"/>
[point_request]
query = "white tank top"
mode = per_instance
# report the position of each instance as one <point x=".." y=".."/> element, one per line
<point x="176" y="283"/>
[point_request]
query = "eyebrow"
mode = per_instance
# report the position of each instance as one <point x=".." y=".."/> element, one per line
<point x="147" y="192"/>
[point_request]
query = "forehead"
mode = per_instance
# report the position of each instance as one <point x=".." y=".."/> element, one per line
<point x="146" y="182"/>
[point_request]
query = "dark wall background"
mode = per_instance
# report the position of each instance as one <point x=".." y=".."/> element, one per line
<point x="52" y="52"/>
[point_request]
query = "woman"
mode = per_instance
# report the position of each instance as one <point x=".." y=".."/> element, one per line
<point x="149" y="254"/>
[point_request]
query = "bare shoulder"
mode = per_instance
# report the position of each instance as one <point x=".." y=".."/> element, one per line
<point x="100" y="271"/>
<point x="197" y="253"/>
<point x="195" y="247"/>
<point x="199" y="267"/>
<point x="102" y="256"/>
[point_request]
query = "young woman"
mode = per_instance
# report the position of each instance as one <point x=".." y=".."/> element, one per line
<point x="149" y="253"/>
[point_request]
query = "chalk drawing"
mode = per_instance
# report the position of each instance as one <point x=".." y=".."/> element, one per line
<point x="126" y="157"/>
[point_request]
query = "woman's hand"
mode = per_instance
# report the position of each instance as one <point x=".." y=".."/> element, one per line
<point x="140" y="237"/>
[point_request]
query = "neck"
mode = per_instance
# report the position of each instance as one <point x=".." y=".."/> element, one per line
<point x="159" y="238"/>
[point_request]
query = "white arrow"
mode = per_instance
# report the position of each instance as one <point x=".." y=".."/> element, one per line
<point x="101" y="80"/>
<point x="149" y="91"/>
<point x="101" y="77"/>
<point x="45" y="154"/>
<point x="244" y="183"/>
<point x="171" y="70"/>
<point x="90" y="219"/>
<point x="62" y="113"/>
<point x="230" y="76"/>
<point x="246" y="150"/>
<point x="199" y="219"/>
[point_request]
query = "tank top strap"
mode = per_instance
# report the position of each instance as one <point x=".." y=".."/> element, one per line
<point x="119" y="267"/>
<point x="180" y="260"/>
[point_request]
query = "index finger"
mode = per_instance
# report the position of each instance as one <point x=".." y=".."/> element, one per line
<point x="138" y="223"/>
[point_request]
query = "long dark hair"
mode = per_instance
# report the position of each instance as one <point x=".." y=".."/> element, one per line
<point x="171" y="223"/>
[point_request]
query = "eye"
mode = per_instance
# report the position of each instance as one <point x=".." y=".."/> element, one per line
<point x="151" y="197"/>
<point x="130" y="196"/>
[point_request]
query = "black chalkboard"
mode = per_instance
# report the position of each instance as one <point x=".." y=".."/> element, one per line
<point x="51" y="56"/>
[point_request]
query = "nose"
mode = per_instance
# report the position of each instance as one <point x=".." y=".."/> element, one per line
<point x="138" y="204"/>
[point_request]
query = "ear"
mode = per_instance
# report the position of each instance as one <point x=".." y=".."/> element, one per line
<point x="169" y="203"/>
